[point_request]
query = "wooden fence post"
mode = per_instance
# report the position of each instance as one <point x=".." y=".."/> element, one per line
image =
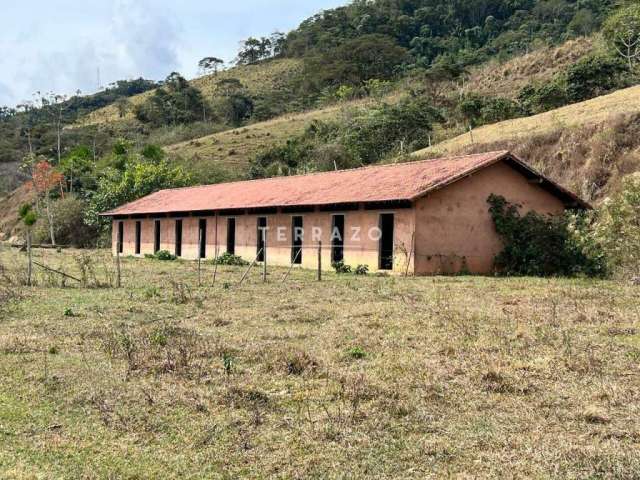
<point x="286" y="275"/>
<point x="255" y="260"/>
<point x="118" y="280"/>
<point x="199" y="257"/>
<point x="215" y="266"/>
<point x="30" y="267"/>
<point x="264" y="255"/>
<point x="320" y="260"/>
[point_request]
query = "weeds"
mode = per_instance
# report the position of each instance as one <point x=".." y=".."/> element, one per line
<point x="356" y="353"/>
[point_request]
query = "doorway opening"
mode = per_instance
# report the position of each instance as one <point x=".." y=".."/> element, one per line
<point x="386" y="241"/>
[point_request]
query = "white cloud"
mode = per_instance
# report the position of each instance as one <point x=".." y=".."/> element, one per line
<point x="137" y="40"/>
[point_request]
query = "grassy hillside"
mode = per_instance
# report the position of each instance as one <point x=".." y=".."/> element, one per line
<point x="233" y="148"/>
<point x="506" y="79"/>
<point x="587" y="146"/>
<point x="366" y="376"/>
<point x="259" y="78"/>
<point x="591" y="112"/>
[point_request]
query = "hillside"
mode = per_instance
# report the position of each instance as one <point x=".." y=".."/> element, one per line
<point x="258" y="78"/>
<point x="508" y="78"/>
<point x="587" y="146"/>
<point x="233" y="148"/>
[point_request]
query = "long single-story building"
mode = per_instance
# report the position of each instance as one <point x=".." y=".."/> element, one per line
<point x="423" y="217"/>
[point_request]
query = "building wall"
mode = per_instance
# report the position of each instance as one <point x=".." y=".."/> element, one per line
<point x="359" y="247"/>
<point x="454" y="229"/>
<point x="447" y="231"/>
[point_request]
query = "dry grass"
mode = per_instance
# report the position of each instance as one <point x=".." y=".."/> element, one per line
<point x="259" y="78"/>
<point x="232" y="149"/>
<point x="356" y="377"/>
<point x="508" y="78"/>
<point x="592" y="112"/>
<point x="590" y="159"/>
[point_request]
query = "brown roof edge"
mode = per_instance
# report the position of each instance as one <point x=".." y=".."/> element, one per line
<point x="555" y="188"/>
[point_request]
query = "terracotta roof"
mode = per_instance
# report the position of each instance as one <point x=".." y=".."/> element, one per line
<point x="394" y="182"/>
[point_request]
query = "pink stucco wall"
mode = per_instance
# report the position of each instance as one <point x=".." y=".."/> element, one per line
<point x="454" y="229"/>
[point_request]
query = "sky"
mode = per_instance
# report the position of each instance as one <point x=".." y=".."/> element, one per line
<point x="61" y="45"/>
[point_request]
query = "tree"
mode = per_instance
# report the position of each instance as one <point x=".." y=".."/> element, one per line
<point x="44" y="178"/>
<point x="618" y="226"/>
<point x="235" y="105"/>
<point x="210" y="64"/>
<point x="76" y="167"/>
<point x="622" y="30"/>
<point x="357" y="60"/>
<point x="139" y="178"/>
<point x="594" y="75"/>
<point x="251" y="50"/>
<point x="176" y="102"/>
<point x="29" y="218"/>
<point x="278" y="41"/>
<point x="55" y="104"/>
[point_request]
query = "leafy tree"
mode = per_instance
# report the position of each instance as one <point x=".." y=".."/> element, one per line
<point x="139" y="178"/>
<point x="77" y="168"/>
<point x="176" y="102"/>
<point x="544" y="97"/>
<point x="594" y="75"/>
<point x="44" y="178"/>
<point x="210" y="64"/>
<point x="153" y="153"/>
<point x="363" y="136"/>
<point x="358" y="60"/>
<point x="251" y="50"/>
<point x="622" y="30"/>
<point x="371" y="135"/>
<point x="470" y="107"/>
<point x="234" y="103"/>
<point x="584" y="22"/>
<point x="29" y="218"/>
<point x="277" y="40"/>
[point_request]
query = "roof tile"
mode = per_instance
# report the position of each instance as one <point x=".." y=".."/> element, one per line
<point x="401" y="181"/>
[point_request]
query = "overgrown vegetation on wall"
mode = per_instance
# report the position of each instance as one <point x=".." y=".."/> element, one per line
<point x="539" y="245"/>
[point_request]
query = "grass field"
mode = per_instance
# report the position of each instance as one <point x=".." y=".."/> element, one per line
<point x="354" y="377"/>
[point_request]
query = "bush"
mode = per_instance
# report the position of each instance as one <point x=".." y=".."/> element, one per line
<point x="229" y="259"/>
<point x="69" y="226"/>
<point x="617" y="227"/>
<point x="477" y="110"/>
<point x="595" y="75"/>
<point x="541" y="98"/>
<point x="361" y="270"/>
<point x="539" y="245"/>
<point x="356" y="352"/>
<point x="164" y="255"/>
<point x="341" y="267"/>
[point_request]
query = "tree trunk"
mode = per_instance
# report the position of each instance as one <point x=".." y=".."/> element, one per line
<point x="29" y="266"/>
<point x="50" y="220"/>
<point x="59" y="142"/>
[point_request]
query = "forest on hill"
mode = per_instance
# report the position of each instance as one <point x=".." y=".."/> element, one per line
<point x="374" y="80"/>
